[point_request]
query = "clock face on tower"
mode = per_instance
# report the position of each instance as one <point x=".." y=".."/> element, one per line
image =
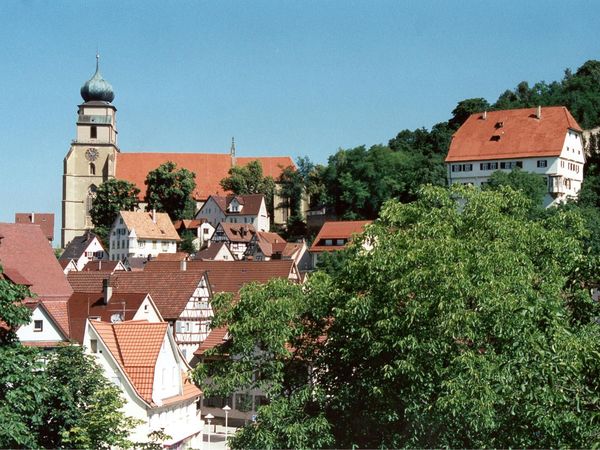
<point x="91" y="154"/>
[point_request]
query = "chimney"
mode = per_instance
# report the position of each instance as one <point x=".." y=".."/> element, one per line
<point x="106" y="290"/>
<point x="538" y="114"/>
<point x="183" y="265"/>
<point x="154" y="215"/>
<point x="484" y="117"/>
<point x="32" y="217"/>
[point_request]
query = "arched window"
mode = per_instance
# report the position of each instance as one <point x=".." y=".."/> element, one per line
<point x="92" y="169"/>
<point x="91" y="195"/>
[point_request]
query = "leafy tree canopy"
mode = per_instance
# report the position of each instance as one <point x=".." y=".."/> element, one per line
<point x="467" y="325"/>
<point x="249" y="179"/>
<point x="65" y="403"/>
<point x="532" y="185"/>
<point x="112" y="196"/>
<point x="170" y="190"/>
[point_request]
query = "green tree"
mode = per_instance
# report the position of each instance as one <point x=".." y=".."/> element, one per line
<point x="170" y="190"/>
<point x="249" y="179"/>
<point x="84" y="408"/>
<point x="187" y="242"/>
<point x="66" y="403"/>
<point x="467" y="325"/>
<point x="532" y="185"/>
<point x="112" y="196"/>
<point x="465" y="108"/>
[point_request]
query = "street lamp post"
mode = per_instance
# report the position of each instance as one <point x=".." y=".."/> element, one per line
<point x="209" y="417"/>
<point x="226" y="408"/>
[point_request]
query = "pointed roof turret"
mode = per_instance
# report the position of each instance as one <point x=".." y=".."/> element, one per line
<point x="97" y="88"/>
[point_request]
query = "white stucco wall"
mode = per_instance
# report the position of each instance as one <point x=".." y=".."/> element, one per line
<point x="50" y="332"/>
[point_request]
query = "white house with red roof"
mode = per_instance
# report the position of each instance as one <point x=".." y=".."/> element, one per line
<point x="142" y="358"/>
<point x="241" y="209"/>
<point x="138" y="234"/>
<point x="27" y="259"/>
<point x="544" y="140"/>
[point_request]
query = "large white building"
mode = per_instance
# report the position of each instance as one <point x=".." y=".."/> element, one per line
<point x="547" y="141"/>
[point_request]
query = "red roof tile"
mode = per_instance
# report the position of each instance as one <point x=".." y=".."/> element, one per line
<point x="210" y="168"/>
<point x="82" y="306"/>
<point x="230" y="276"/>
<point x="44" y="220"/>
<point x="90" y="282"/>
<point x="170" y="290"/>
<point x="99" y="265"/>
<point x="135" y="345"/>
<point x="520" y="134"/>
<point x="25" y="249"/>
<point x="214" y="338"/>
<point x="337" y="230"/>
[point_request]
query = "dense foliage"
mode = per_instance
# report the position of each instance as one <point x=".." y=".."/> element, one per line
<point x="112" y="196"/>
<point x="468" y="324"/>
<point x="170" y="190"/>
<point x="249" y="179"/>
<point x="57" y="400"/>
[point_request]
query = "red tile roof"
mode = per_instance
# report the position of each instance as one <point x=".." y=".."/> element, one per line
<point x="87" y="282"/>
<point x="236" y="232"/>
<point x="177" y="256"/>
<point x="44" y="220"/>
<point x="170" y="290"/>
<point x="210" y="252"/>
<point x="251" y="203"/>
<point x="82" y="306"/>
<point x="135" y="345"/>
<point x="230" y="276"/>
<point x="210" y="168"/>
<point x="25" y="249"/>
<point x="520" y="134"/>
<point x="99" y="265"/>
<point x="214" y="338"/>
<point x="337" y="230"/>
<point x="150" y="225"/>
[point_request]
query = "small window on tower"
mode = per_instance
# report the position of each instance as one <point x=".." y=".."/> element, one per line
<point x="92" y="169"/>
<point x="93" y="132"/>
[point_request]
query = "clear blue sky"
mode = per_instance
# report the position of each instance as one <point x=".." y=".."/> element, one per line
<point x="299" y="78"/>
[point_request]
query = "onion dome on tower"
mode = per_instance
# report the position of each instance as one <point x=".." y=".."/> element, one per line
<point x="97" y="88"/>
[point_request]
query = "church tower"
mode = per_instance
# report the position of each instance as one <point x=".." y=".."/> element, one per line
<point x="91" y="157"/>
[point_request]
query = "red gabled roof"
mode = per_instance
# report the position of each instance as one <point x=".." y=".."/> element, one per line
<point x="230" y="276"/>
<point x="24" y="248"/>
<point x="214" y="338"/>
<point x="337" y="230"/>
<point x="236" y="232"/>
<point x="44" y="220"/>
<point x="210" y="168"/>
<point x="170" y="291"/>
<point x="135" y="345"/>
<point x="88" y="282"/>
<point x="86" y="305"/>
<point x="513" y="133"/>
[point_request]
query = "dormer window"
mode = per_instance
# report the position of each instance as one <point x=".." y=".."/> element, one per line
<point x="495" y="138"/>
<point x="499" y="125"/>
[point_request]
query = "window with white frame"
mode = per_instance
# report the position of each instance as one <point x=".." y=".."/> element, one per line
<point x="542" y="163"/>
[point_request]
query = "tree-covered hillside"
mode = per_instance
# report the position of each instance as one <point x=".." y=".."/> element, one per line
<point x="356" y="182"/>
